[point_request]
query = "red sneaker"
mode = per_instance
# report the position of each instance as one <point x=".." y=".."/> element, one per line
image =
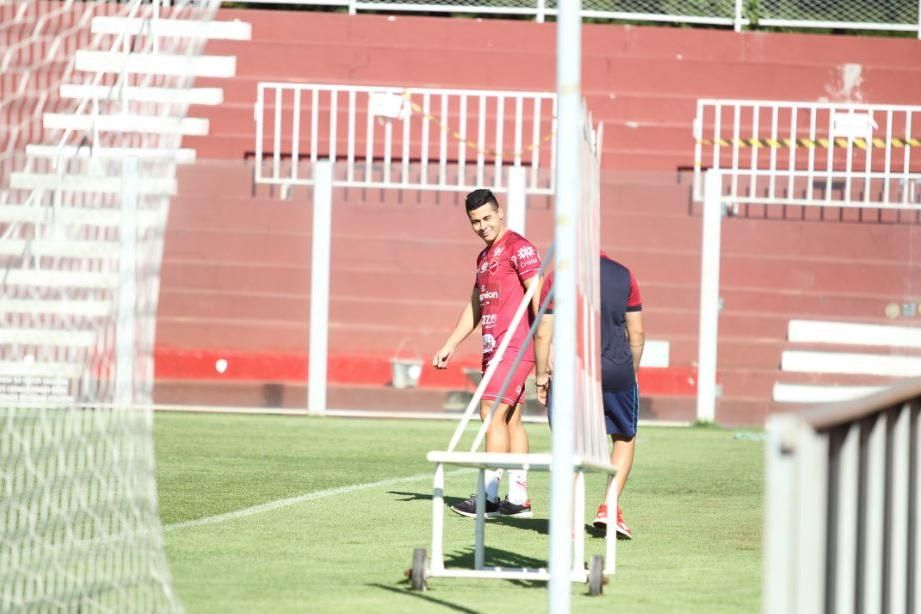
<point x="601" y="522"/>
<point x="623" y="531"/>
<point x="601" y="517"/>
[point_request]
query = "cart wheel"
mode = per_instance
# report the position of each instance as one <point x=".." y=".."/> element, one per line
<point x="417" y="574"/>
<point x="596" y="576"/>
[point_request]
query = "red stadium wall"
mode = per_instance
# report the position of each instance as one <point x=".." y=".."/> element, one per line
<point x="236" y="267"/>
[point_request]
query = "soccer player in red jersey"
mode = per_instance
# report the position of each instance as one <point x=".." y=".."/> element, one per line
<point x="506" y="268"/>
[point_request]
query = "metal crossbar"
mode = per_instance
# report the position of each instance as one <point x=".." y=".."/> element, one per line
<point x="408" y="138"/>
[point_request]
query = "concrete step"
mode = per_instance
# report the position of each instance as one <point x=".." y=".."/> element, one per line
<point x="153" y="63"/>
<point x="165" y="27"/>
<point x="193" y="96"/>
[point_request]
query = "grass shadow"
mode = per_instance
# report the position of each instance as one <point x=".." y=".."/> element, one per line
<point x="594" y="531"/>
<point x="496" y="557"/>
<point x="538" y="525"/>
<point x="419" y="496"/>
<point x="424" y="596"/>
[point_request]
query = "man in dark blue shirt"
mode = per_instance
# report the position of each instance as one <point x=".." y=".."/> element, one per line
<point x="622" y="340"/>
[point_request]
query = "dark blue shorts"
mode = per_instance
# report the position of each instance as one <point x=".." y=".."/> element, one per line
<point x="621" y="411"/>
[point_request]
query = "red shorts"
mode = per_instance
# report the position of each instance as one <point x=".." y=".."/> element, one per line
<point x="514" y="392"/>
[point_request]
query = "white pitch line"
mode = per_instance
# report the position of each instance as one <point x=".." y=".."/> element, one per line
<point x="310" y="496"/>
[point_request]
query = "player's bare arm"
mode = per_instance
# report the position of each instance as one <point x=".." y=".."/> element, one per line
<point x="535" y="300"/>
<point x="636" y="336"/>
<point x="543" y="337"/>
<point x="466" y="323"/>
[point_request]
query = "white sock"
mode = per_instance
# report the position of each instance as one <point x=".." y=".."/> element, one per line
<point x="492" y="484"/>
<point x="517" y="486"/>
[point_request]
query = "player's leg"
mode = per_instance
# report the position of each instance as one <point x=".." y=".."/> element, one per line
<point x="621" y="411"/>
<point x="622" y="453"/>
<point x="497" y="434"/>
<point x="497" y="440"/>
<point x="517" y="503"/>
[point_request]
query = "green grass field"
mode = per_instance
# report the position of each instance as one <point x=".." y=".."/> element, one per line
<point x="345" y="501"/>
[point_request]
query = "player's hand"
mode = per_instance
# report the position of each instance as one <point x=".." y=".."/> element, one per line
<point x="442" y="356"/>
<point x="543" y="385"/>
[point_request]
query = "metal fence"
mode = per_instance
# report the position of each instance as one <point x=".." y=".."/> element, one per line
<point x="410" y="138"/>
<point x="882" y="15"/>
<point x="810" y="152"/>
<point x="843" y="511"/>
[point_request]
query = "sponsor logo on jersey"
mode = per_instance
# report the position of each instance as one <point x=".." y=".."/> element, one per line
<point x="488" y="295"/>
<point x="489" y="320"/>
<point x="493" y="267"/>
<point x="526" y="256"/>
<point x="526" y="252"/>
<point x="489" y="343"/>
<point x="484" y="266"/>
<point x="498" y="251"/>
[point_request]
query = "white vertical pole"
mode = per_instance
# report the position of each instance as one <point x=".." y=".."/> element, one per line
<point x="610" y="539"/>
<point x="319" y="285"/>
<point x="709" y="296"/>
<point x="568" y="210"/>
<point x="915" y="493"/>
<point x="874" y="522"/>
<point x="479" y="529"/>
<point x="578" y="519"/>
<point x="127" y="291"/>
<point x="811" y="503"/>
<point x="846" y="538"/>
<point x="780" y="488"/>
<point x="436" y="561"/>
<point x="737" y="21"/>
<point x="898" y="515"/>
<point x="517" y="199"/>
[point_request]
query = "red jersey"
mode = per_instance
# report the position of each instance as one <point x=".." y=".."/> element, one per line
<point x="502" y="269"/>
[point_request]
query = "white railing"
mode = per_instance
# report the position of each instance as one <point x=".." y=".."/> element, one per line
<point x="882" y="15"/>
<point x="842" y="528"/>
<point x="408" y="138"/>
<point x="818" y="155"/>
<point x="810" y="152"/>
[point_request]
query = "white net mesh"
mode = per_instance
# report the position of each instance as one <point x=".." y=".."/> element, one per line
<point x="889" y="12"/>
<point x="588" y="427"/>
<point x="82" y="240"/>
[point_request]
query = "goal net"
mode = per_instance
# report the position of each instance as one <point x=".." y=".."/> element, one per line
<point x="81" y="239"/>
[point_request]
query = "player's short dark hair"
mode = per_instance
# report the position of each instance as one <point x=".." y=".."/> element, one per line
<point x="478" y="198"/>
